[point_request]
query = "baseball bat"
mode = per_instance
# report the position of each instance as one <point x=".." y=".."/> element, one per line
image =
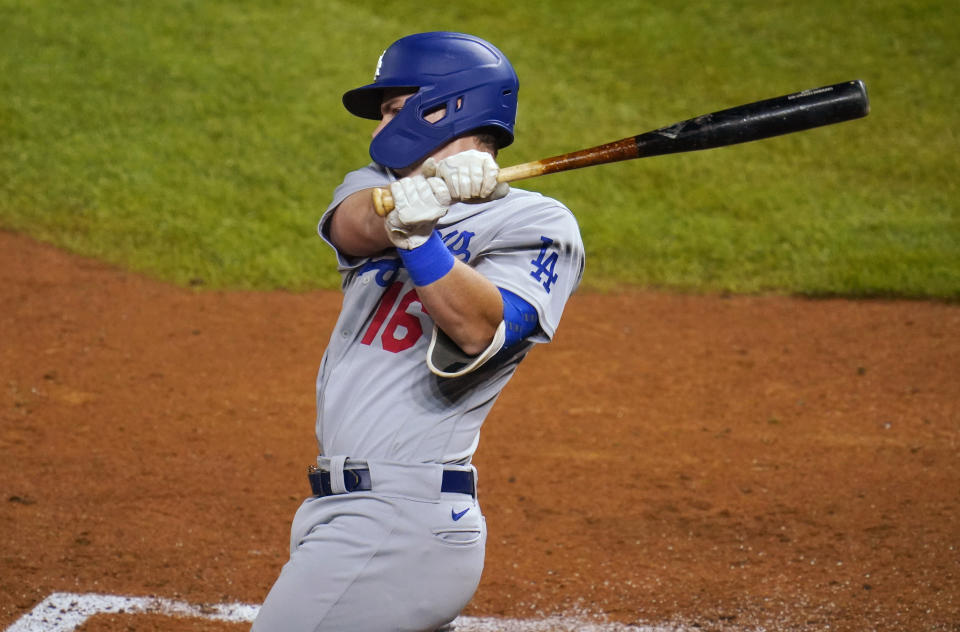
<point x="754" y="121"/>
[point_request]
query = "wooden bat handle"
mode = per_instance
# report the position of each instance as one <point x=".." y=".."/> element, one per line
<point x="383" y="199"/>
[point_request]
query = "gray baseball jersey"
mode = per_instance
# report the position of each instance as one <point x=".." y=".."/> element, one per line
<point x="376" y="398"/>
<point x="407" y="555"/>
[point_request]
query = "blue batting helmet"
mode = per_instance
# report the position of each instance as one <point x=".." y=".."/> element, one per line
<point x="468" y="76"/>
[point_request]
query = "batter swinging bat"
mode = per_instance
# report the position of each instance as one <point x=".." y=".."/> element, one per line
<point x="753" y="121"/>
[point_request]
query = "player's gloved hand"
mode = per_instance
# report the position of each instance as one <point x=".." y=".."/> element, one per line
<point x="419" y="202"/>
<point x="470" y="176"/>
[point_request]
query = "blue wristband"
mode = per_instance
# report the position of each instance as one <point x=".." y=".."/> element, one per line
<point x="428" y="262"/>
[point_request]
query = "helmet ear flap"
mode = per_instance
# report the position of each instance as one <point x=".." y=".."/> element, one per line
<point x="410" y="136"/>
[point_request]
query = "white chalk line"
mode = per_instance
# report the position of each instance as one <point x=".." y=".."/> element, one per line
<point x="64" y="612"/>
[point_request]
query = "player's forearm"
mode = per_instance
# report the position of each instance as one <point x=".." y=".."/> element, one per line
<point x="463" y="303"/>
<point x="466" y="306"/>
<point x="356" y="229"/>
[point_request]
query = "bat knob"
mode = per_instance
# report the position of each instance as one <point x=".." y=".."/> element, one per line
<point x="382" y="201"/>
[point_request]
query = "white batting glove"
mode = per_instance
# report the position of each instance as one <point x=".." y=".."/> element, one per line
<point x="419" y="203"/>
<point x="470" y="176"/>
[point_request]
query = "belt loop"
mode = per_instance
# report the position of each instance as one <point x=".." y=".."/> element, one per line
<point x="337" y="485"/>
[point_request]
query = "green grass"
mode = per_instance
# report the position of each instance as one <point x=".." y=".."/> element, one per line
<point x="201" y="140"/>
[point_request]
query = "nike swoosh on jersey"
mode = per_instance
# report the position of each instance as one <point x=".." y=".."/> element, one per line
<point x="456" y="516"/>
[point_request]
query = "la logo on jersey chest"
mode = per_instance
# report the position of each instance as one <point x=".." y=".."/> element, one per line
<point x="387" y="269"/>
<point x="458" y="243"/>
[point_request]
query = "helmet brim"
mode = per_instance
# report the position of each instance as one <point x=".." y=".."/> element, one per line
<point x="365" y="101"/>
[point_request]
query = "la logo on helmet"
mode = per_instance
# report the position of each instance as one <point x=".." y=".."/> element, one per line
<point x="376" y="73"/>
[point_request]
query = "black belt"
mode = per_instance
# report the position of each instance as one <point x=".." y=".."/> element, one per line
<point x="358" y="480"/>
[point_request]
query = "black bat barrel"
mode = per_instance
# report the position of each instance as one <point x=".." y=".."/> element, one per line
<point x="763" y="119"/>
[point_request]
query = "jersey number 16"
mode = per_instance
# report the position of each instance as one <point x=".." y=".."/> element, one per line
<point x="402" y="319"/>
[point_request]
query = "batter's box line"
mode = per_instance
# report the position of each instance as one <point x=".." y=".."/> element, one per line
<point x="64" y="612"/>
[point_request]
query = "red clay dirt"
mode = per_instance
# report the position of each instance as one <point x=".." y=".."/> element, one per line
<point x="723" y="463"/>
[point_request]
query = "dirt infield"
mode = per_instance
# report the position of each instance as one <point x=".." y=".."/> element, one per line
<point x="727" y="463"/>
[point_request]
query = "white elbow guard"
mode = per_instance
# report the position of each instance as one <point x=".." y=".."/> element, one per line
<point x="446" y="359"/>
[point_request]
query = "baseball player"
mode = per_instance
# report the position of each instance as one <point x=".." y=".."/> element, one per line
<point x="442" y="299"/>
